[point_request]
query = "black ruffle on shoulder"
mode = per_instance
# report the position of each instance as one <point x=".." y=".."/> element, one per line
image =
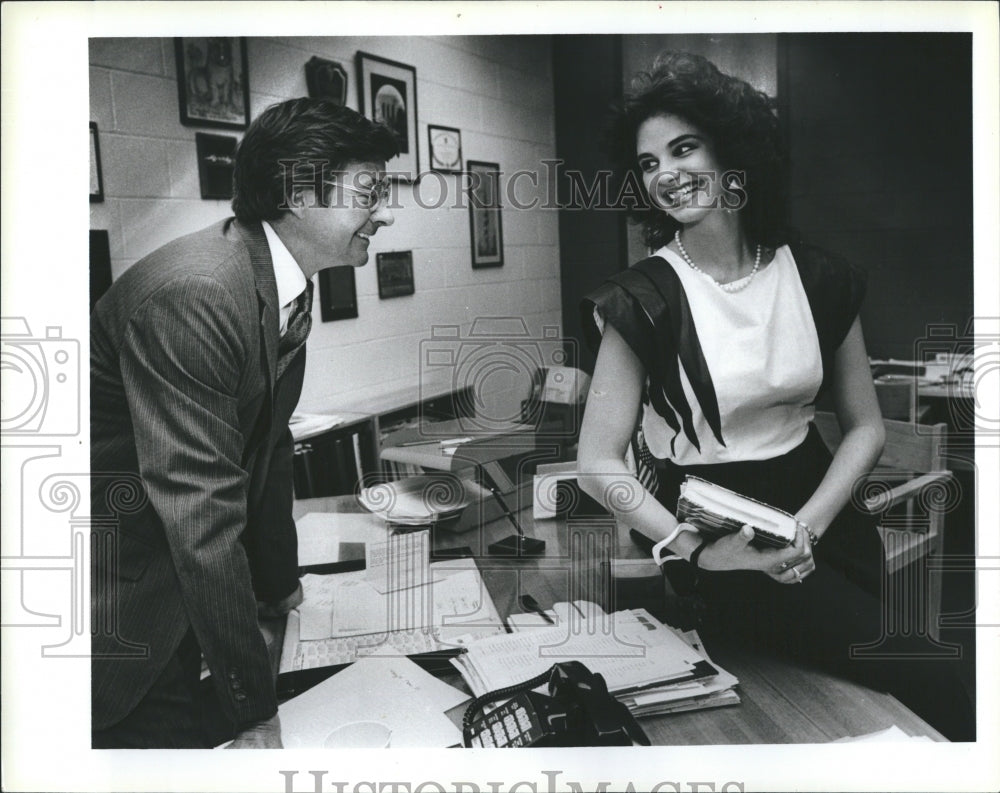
<point x="647" y="305"/>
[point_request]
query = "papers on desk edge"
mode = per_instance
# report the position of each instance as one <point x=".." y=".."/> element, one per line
<point x="343" y="617"/>
<point x="648" y="666"/>
<point x="382" y="688"/>
<point x="308" y="425"/>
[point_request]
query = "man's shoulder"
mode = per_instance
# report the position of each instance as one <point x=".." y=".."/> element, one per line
<point x="210" y="264"/>
<point x="217" y="252"/>
<point x="201" y="252"/>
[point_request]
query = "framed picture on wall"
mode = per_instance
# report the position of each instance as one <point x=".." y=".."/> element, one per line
<point x="96" y="177"/>
<point x="212" y="85"/>
<point x="485" y="220"/>
<point x="445" y="147"/>
<point x="216" y="160"/>
<point x="395" y="274"/>
<point x="337" y="293"/>
<point x="326" y="80"/>
<point x="100" y="264"/>
<point x="388" y="92"/>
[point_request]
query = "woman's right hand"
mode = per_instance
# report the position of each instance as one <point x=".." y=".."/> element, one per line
<point x="734" y="552"/>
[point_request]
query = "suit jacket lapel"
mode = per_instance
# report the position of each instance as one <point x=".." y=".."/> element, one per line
<point x="267" y="293"/>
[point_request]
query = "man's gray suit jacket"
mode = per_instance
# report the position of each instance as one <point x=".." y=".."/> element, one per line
<point x="191" y="462"/>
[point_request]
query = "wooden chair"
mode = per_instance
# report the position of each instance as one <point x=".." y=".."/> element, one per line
<point x="907" y="488"/>
<point x="897" y="398"/>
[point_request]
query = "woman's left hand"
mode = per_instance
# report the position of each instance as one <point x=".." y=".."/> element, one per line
<point x="795" y="570"/>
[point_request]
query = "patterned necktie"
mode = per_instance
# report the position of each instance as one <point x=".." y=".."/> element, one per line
<point x="299" y="324"/>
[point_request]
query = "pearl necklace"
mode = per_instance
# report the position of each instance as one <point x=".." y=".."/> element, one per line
<point x="735" y="286"/>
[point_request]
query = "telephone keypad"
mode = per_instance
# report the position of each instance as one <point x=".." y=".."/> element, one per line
<point x="512" y="724"/>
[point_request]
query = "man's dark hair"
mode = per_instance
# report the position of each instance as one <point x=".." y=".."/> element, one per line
<point x="738" y="120"/>
<point x="301" y="137"/>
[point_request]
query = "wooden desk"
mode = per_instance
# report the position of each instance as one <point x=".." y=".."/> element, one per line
<point x="782" y="702"/>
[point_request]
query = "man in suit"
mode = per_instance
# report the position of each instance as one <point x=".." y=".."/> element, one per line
<point x="197" y="360"/>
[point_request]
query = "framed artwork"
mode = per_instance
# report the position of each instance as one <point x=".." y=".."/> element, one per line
<point x="388" y="92"/>
<point x="485" y="220"/>
<point x="445" y="147"/>
<point x="337" y="293"/>
<point x="395" y="274"/>
<point x="96" y="177"/>
<point x="100" y="265"/>
<point x="326" y="80"/>
<point x="216" y="160"/>
<point x="212" y="85"/>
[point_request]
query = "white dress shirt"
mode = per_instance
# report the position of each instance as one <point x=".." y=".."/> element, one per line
<point x="288" y="275"/>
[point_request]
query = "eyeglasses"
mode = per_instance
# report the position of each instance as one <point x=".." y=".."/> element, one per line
<point x="370" y="197"/>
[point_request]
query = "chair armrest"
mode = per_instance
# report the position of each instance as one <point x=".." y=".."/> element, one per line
<point x="905" y="491"/>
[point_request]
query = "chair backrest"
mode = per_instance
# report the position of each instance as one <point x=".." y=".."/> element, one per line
<point x="908" y="446"/>
<point x="897" y="398"/>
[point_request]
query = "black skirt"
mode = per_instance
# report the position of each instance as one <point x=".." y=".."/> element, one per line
<point x="838" y="618"/>
<point x="850" y="544"/>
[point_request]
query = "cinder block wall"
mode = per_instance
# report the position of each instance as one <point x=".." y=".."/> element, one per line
<point x="497" y="90"/>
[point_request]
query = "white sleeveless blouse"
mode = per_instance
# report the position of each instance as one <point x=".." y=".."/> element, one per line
<point x="763" y="355"/>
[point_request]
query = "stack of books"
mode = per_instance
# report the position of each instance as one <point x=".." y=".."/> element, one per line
<point x="648" y="666"/>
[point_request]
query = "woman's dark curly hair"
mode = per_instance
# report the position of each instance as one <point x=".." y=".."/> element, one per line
<point x="740" y="123"/>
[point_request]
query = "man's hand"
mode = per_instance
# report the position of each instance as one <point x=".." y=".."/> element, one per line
<point x="270" y="611"/>
<point x="262" y="735"/>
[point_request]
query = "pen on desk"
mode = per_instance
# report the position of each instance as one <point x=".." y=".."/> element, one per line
<point x="506" y="510"/>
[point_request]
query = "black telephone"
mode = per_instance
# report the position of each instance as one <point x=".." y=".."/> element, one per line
<point x="579" y="711"/>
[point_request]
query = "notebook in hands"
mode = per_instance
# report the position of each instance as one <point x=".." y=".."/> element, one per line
<point x="716" y="511"/>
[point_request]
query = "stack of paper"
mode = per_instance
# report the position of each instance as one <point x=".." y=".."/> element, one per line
<point x="347" y="616"/>
<point x="307" y="425"/>
<point x="647" y="666"/>
<point x="891" y="734"/>
<point x="337" y="540"/>
<point x="390" y="690"/>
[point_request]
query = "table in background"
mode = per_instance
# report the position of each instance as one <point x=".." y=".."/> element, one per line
<point x="782" y="701"/>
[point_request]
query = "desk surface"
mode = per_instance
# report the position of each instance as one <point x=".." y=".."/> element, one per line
<point x="946" y="390"/>
<point x="781" y="702"/>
